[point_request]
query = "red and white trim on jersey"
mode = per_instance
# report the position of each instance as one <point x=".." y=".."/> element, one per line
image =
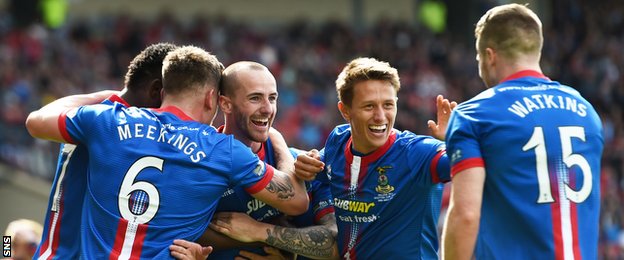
<point x="356" y="168"/>
<point x="174" y="110"/>
<point x="50" y="245"/>
<point x="564" y="220"/>
<point x="118" y="99"/>
<point x="62" y="126"/>
<point x="129" y="240"/>
<point x="262" y="183"/>
<point x="524" y="73"/>
<point x="433" y="166"/>
<point x="467" y="164"/>
<point x="323" y="213"/>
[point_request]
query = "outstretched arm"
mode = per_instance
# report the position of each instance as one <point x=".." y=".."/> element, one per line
<point x="444" y="108"/>
<point x="43" y="123"/>
<point x="462" y="222"/>
<point x="315" y="241"/>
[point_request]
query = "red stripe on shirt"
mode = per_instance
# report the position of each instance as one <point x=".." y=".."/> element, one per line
<point x="524" y="73"/>
<point x="138" y="242"/>
<point x="44" y="246"/>
<point x="62" y="126"/>
<point x="574" y="219"/>
<point x="57" y="229"/>
<point x="555" y="209"/>
<point x="262" y="152"/>
<point x="262" y="183"/>
<point x="575" y="236"/>
<point x="119" y="239"/>
<point x="174" y="110"/>
<point x="467" y="164"/>
<point x="323" y="213"/>
<point x="118" y="99"/>
<point x="433" y="166"/>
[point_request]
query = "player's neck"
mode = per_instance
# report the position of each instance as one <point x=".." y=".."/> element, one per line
<point x="517" y="66"/>
<point x="240" y="136"/>
<point x="191" y="109"/>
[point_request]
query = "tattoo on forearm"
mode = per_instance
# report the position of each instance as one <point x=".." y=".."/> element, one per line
<point x="313" y="241"/>
<point x="282" y="187"/>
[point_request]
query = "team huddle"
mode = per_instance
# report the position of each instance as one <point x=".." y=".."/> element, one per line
<point x="143" y="174"/>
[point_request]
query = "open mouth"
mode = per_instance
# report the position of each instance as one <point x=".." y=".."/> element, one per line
<point x="378" y="129"/>
<point x="260" y="122"/>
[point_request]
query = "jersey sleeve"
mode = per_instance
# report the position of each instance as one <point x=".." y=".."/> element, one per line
<point x="321" y="202"/>
<point x="429" y="160"/>
<point x="248" y="170"/>
<point x="462" y="141"/>
<point x="75" y="124"/>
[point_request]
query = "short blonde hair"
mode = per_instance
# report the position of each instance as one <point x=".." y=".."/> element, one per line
<point x="190" y="67"/>
<point x="363" y="69"/>
<point x="512" y="30"/>
<point x="24" y="225"/>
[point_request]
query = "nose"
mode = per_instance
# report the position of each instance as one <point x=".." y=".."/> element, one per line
<point x="378" y="114"/>
<point x="266" y="107"/>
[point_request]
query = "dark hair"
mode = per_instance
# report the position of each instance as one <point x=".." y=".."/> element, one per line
<point x="147" y="65"/>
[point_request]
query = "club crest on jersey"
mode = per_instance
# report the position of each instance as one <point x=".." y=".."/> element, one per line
<point x="383" y="185"/>
<point x="259" y="170"/>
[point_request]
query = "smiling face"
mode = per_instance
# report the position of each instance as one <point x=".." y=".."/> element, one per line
<point x="253" y="106"/>
<point x="371" y="114"/>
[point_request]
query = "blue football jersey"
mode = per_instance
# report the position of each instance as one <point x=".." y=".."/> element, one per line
<point x="236" y="199"/>
<point x="384" y="201"/>
<point x="153" y="176"/>
<point x="61" y="230"/>
<point x="321" y="204"/>
<point x="540" y="143"/>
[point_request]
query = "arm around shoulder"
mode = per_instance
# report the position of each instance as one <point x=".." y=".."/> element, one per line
<point x="284" y="192"/>
<point x="43" y="123"/>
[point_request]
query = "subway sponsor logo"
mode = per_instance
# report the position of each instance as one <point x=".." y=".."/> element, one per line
<point x="353" y="206"/>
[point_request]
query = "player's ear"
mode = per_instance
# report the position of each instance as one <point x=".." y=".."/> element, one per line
<point x="154" y="90"/>
<point x="210" y="101"/>
<point x="225" y="103"/>
<point x="490" y="57"/>
<point x="344" y="111"/>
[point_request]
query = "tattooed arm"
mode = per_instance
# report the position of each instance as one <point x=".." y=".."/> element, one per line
<point x="318" y="242"/>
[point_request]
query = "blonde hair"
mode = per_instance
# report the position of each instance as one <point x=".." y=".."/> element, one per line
<point x="190" y="67"/>
<point x="363" y="69"/>
<point x="512" y="30"/>
<point x="24" y="225"/>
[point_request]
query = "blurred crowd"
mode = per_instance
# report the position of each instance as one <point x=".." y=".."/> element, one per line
<point x="584" y="48"/>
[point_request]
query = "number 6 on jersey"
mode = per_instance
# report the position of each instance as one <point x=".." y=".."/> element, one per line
<point x="139" y="201"/>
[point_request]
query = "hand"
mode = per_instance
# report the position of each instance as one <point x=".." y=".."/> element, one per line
<point x="239" y="226"/>
<point x="186" y="250"/>
<point x="272" y="254"/>
<point x="444" y="108"/>
<point x="308" y="165"/>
